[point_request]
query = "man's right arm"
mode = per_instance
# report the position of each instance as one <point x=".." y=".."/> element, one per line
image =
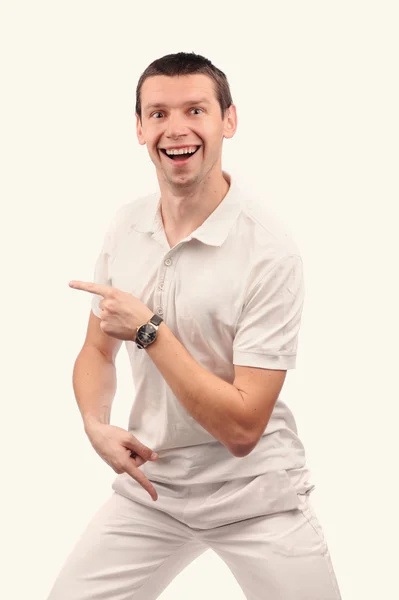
<point x="94" y="384"/>
<point x="94" y="374"/>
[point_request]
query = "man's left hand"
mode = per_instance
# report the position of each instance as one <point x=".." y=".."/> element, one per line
<point x="121" y="313"/>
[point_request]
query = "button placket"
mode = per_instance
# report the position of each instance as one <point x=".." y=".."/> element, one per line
<point x="159" y="309"/>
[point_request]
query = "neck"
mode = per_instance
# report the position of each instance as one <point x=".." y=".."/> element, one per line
<point x="185" y="208"/>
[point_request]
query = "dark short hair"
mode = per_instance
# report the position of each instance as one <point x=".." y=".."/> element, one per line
<point x="184" y="63"/>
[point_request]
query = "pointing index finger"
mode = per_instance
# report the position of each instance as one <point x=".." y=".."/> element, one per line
<point x="88" y="286"/>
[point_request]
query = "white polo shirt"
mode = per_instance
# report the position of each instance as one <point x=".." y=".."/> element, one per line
<point x="232" y="293"/>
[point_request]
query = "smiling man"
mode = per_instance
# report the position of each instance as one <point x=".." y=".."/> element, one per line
<point x="184" y="139"/>
<point x="206" y="289"/>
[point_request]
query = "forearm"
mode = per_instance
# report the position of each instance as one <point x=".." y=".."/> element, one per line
<point x="94" y="383"/>
<point x="214" y="403"/>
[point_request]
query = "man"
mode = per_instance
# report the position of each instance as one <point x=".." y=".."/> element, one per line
<point x="206" y="289"/>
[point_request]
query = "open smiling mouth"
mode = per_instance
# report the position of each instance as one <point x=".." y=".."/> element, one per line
<point x="180" y="158"/>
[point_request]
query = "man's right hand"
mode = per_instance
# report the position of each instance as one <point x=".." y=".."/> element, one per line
<point x="114" y="444"/>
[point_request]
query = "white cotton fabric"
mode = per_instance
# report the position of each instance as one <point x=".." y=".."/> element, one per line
<point x="134" y="550"/>
<point x="232" y="292"/>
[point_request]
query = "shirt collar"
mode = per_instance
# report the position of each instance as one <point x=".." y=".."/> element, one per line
<point x="213" y="231"/>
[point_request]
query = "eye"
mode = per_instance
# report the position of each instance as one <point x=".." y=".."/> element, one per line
<point x="160" y="113"/>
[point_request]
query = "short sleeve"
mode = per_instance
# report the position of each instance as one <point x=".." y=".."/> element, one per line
<point x="268" y="327"/>
<point x="104" y="258"/>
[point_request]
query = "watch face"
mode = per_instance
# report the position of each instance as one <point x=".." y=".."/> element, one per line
<point x="146" y="334"/>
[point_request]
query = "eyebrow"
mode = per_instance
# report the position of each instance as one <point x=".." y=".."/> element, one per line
<point x="161" y="104"/>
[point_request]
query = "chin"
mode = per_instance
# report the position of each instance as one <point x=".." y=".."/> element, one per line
<point x="185" y="180"/>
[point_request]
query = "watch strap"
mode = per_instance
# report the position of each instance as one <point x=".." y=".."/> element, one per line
<point x="156" y="320"/>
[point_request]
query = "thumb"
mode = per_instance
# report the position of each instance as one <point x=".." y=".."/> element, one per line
<point x="141" y="449"/>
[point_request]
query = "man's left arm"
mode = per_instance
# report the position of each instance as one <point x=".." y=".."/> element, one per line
<point x="235" y="414"/>
<point x="264" y="348"/>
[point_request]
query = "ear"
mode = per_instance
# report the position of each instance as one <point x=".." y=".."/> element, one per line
<point x="139" y="131"/>
<point x="230" y="121"/>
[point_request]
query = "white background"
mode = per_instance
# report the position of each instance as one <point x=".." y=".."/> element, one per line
<point x="316" y="90"/>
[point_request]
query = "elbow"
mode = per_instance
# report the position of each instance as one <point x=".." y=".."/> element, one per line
<point x="242" y="450"/>
<point x="243" y="447"/>
<point x="245" y="438"/>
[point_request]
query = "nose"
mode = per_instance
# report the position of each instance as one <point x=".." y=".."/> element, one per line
<point x="176" y="126"/>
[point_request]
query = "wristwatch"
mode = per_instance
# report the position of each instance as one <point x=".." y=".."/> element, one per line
<point x="147" y="333"/>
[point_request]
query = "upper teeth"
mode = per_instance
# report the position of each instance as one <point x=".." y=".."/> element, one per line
<point x="188" y="150"/>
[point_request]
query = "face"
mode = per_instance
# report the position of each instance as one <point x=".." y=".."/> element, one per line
<point x="183" y="113"/>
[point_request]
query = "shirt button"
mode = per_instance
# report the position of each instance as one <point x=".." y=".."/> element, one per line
<point x="160" y="285"/>
<point x="168" y="262"/>
<point x="160" y="310"/>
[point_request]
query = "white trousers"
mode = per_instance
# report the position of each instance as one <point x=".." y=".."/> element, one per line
<point x="132" y="549"/>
